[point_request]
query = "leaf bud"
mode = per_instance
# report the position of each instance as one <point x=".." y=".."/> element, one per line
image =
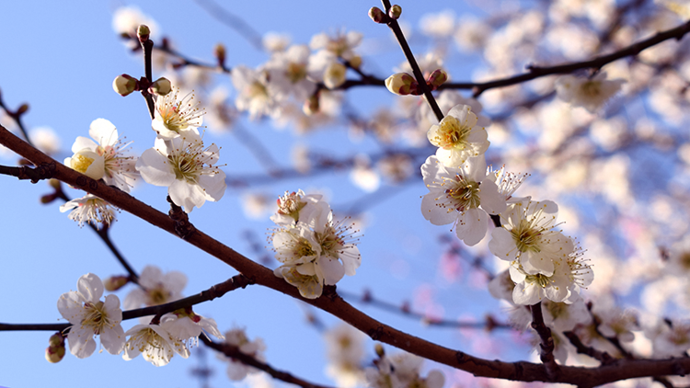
<point x="219" y="52"/>
<point x="22" y="109"/>
<point x="311" y="105"/>
<point x="125" y="84"/>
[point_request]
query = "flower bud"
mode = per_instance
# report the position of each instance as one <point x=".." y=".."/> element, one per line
<point x="56" y="350"/>
<point x="401" y="84"/>
<point x="48" y="198"/>
<point x="334" y="75"/>
<point x="161" y="87"/>
<point x="355" y="61"/>
<point x="395" y="12"/>
<point x="311" y="105"/>
<point x="143" y="33"/>
<point x="22" y="109"/>
<point x="114" y="283"/>
<point x="125" y="84"/>
<point x="436" y="79"/>
<point x="219" y="52"/>
<point x="377" y="15"/>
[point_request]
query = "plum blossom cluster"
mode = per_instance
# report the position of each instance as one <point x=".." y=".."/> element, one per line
<point x="157" y="341"/>
<point x="314" y="250"/>
<point x="179" y="160"/>
<point x="238" y="337"/>
<point x="544" y="263"/>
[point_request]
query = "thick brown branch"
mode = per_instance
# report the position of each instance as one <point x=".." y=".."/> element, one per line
<point x="546" y="345"/>
<point x="520" y="371"/>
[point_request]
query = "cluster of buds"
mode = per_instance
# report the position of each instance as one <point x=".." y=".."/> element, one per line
<point x="404" y="84"/>
<point x="56" y="350"/>
<point x="378" y="16"/>
<point x="125" y="84"/>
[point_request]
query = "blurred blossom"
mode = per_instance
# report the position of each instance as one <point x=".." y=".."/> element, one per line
<point x="126" y="20"/>
<point x="300" y="158"/>
<point x="438" y="25"/>
<point x="219" y="114"/>
<point x="275" y="41"/>
<point x="345" y="354"/>
<point x="471" y="33"/>
<point x="257" y="206"/>
<point x="363" y="176"/>
<point x="608" y="134"/>
<point x="396" y="168"/>
<point x="156" y="288"/>
<point x="45" y="139"/>
<point x="589" y="93"/>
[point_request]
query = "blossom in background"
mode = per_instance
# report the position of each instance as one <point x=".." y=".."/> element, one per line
<point x="294" y="207"/>
<point x="256" y="94"/>
<point x="589" y="93"/>
<point x="289" y="72"/>
<point x="90" y="316"/>
<point x="89" y="210"/>
<point x="464" y="196"/>
<point x="402" y="370"/>
<point x="45" y="139"/>
<point x="345" y="353"/>
<point x="187" y="325"/>
<point x="176" y="116"/>
<point x="341" y="45"/>
<point x="156" y="288"/>
<point x="103" y="159"/>
<point x="186" y="168"/>
<point x="237" y="337"/>
<point x="672" y="339"/>
<point x="458" y="137"/>
<point x="155" y="343"/>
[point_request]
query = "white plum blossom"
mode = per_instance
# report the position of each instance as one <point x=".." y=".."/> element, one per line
<point x="256" y="93"/>
<point x="294" y="207"/>
<point x="402" y="370"/>
<point x="345" y="352"/>
<point x="672" y="339"/>
<point x="527" y="237"/>
<point x="187" y="325"/>
<point x="237" y="337"/>
<point x="176" y="116"/>
<point x="563" y="285"/>
<point x="464" y="196"/>
<point x="340" y="45"/>
<point x="589" y="93"/>
<point x="89" y="210"/>
<point x="155" y="343"/>
<point x="156" y="288"/>
<point x="90" y="316"/>
<point x="186" y="168"/>
<point x="104" y="158"/>
<point x="313" y="249"/>
<point x="289" y="72"/>
<point x="458" y="137"/>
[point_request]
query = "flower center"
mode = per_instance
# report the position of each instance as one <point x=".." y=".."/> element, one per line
<point x="296" y="72"/>
<point x="527" y="237"/>
<point x="464" y="194"/>
<point x="81" y="163"/>
<point x="257" y="90"/>
<point x="150" y="343"/>
<point x="158" y="296"/>
<point x="591" y="88"/>
<point x="303" y="248"/>
<point x="95" y="317"/>
<point x="542" y="280"/>
<point x="452" y="134"/>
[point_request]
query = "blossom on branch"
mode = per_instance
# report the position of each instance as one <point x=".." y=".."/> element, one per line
<point x="458" y="137"/>
<point x="90" y="316"/>
<point x="154" y="342"/>
<point x="156" y="288"/>
<point x="464" y="196"/>
<point x="176" y="116"/>
<point x="237" y="337"/>
<point x="186" y="168"/>
<point x="104" y="159"/>
<point x="89" y="210"/>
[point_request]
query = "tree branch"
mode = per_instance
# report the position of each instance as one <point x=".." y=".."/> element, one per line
<point x="333" y="304"/>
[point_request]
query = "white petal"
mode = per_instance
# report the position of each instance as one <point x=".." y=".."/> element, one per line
<point x="82" y="143"/>
<point x="502" y="244"/>
<point x="186" y="195"/>
<point x="491" y="200"/>
<point x="472" y="225"/>
<point x="104" y="132"/>
<point x="214" y="186"/>
<point x="155" y="168"/>
<point x="91" y="287"/>
<point x="332" y="269"/>
<point x="113" y="340"/>
<point x="81" y="343"/>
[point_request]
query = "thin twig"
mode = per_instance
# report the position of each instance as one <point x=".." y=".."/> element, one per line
<point x="235" y="22"/>
<point x="546" y="345"/>
<point x="235" y="353"/>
